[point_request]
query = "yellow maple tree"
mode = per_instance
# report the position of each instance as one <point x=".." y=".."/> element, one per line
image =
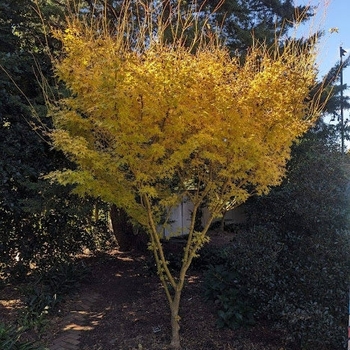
<point x="151" y="122"/>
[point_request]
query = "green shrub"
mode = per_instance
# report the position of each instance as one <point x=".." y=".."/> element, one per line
<point x="38" y="303"/>
<point x="42" y="239"/>
<point x="296" y="283"/>
<point x="293" y="257"/>
<point x="223" y="285"/>
<point x="209" y="256"/>
<point x="63" y="278"/>
<point x="10" y="339"/>
<point x="47" y="290"/>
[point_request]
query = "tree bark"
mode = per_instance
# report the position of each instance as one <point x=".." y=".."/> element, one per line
<point x="124" y="231"/>
<point x="122" y="228"/>
<point x="175" y="326"/>
<point x="222" y="220"/>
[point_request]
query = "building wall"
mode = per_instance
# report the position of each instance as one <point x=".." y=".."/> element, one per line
<point x="180" y="218"/>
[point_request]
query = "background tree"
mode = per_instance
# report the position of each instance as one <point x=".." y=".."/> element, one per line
<point x="151" y="123"/>
<point x="245" y="21"/>
<point x="39" y="222"/>
<point x="337" y="100"/>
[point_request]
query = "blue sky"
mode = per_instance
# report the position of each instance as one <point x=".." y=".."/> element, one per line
<point x="333" y="18"/>
<point x="331" y="14"/>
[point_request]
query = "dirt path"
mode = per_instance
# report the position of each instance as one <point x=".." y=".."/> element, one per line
<point x="79" y="319"/>
<point x="123" y="307"/>
<point x="113" y="285"/>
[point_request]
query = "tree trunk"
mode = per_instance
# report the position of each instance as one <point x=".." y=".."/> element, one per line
<point x="124" y="231"/>
<point x="122" y="228"/>
<point x="175" y="326"/>
<point x="222" y="221"/>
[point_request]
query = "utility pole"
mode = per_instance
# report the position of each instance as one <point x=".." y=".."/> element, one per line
<point x="342" y="53"/>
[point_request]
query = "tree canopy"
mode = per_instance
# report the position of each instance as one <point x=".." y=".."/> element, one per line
<point x="158" y="111"/>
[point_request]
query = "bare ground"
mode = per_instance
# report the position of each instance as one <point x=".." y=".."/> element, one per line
<point x="131" y="312"/>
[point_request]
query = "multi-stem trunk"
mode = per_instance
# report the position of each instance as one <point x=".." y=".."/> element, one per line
<point x="169" y="282"/>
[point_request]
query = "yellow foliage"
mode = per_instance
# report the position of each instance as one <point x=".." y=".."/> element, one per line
<point x="152" y="117"/>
